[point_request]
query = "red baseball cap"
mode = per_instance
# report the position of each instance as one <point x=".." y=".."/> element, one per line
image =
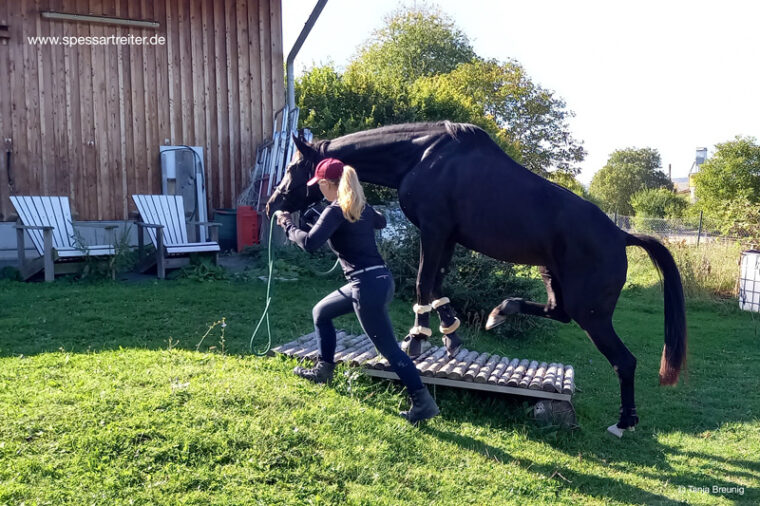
<point x="329" y="168"/>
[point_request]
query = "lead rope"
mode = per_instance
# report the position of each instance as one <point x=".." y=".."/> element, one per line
<point x="265" y="314"/>
<point x="335" y="266"/>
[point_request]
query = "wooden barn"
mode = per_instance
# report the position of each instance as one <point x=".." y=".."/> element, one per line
<point x="85" y="119"/>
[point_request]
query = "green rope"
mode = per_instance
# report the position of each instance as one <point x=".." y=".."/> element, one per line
<point x="265" y="314"/>
<point x="335" y="266"/>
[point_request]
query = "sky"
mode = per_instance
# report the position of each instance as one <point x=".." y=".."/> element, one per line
<point x="672" y="75"/>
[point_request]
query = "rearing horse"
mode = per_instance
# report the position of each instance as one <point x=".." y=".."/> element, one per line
<point x="457" y="186"/>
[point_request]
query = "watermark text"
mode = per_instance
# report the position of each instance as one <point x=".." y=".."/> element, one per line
<point x="92" y="40"/>
<point x="715" y="489"/>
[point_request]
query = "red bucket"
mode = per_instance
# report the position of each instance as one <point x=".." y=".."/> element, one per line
<point x="247" y="227"/>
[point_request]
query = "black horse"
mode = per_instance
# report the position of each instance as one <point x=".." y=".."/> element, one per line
<point x="457" y="186"/>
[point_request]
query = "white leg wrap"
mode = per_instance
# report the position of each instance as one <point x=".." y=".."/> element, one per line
<point x="420" y="330"/>
<point x="451" y="328"/>
<point x="440" y="302"/>
<point x="422" y="309"/>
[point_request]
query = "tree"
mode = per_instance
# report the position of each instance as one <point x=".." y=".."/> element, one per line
<point x="731" y="174"/>
<point x="567" y="180"/>
<point x="331" y="107"/>
<point x="728" y="186"/>
<point x="413" y="43"/>
<point x="627" y="172"/>
<point x="529" y="122"/>
<point x="420" y="67"/>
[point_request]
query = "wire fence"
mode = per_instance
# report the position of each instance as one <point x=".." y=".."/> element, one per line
<point x="687" y="231"/>
<point x="680" y="230"/>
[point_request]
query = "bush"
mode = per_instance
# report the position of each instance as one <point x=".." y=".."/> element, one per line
<point x="658" y="203"/>
<point x="654" y="204"/>
<point x="475" y="283"/>
<point x="291" y="262"/>
<point x="11" y="273"/>
<point x="201" y="268"/>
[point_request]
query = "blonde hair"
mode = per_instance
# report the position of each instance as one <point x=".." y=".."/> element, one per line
<point x="351" y="197"/>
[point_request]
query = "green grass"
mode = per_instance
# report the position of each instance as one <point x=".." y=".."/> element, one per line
<point x="104" y="399"/>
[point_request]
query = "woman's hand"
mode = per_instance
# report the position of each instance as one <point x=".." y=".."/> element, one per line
<point x="283" y="218"/>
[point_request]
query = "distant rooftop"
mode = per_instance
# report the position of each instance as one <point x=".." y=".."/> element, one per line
<point x="681" y="184"/>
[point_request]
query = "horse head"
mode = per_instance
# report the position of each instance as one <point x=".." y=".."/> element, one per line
<point x="292" y="194"/>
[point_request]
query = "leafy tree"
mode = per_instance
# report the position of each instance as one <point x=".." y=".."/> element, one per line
<point x="731" y="174"/>
<point x="741" y="219"/>
<point x="658" y="203"/>
<point x="627" y="172"/>
<point x="420" y="67"/>
<point x="569" y="181"/>
<point x="413" y="43"/>
<point x="529" y="122"/>
<point x="332" y="107"/>
<point x="728" y="187"/>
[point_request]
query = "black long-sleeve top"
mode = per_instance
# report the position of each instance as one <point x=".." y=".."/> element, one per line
<point x="354" y="243"/>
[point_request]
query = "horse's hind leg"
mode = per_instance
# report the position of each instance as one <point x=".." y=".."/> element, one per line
<point x="599" y="328"/>
<point x="553" y="309"/>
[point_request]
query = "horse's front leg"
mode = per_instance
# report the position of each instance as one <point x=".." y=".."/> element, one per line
<point x="435" y="255"/>
<point x="431" y="247"/>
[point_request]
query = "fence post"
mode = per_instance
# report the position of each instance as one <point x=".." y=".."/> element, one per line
<point x="699" y="231"/>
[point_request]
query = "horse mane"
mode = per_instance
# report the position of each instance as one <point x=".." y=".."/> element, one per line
<point x="459" y="131"/>
<point x="456" y="131"/>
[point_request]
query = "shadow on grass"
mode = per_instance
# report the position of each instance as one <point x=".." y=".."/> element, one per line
<point x="583" y="483"/>
<point x="639" y="454"/>
<point x="642" y="454"/>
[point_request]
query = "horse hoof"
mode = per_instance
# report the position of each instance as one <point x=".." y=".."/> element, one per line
<point x="508" y="306"/>
<point x="628" y="419"/>
<point x="414" y="346"/>
<point x="614" y="429"/>
<point x="628" y="424"/>
<point x="495" y="319"/>
<point x="512" y="306"/>
<point x="452" y="346"/>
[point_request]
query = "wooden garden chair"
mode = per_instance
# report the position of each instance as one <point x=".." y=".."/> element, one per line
<point x="163" y="216"/>
<point x="48" y="222"/>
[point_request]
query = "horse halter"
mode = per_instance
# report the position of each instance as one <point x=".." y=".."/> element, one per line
<point x="285" y="192"/>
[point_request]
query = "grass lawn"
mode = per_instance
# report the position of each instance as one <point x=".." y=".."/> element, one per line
<point x="104" y="399"/>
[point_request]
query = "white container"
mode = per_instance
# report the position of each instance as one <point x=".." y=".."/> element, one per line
<point x="749" y="281"/>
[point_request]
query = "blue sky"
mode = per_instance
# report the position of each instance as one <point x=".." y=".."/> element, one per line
<point x="671" y="75"/>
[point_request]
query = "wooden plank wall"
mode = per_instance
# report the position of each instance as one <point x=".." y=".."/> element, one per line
<point x="87" y="121"/>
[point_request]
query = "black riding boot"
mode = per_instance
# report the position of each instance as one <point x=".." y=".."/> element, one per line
<point x="320" y="373"/>
<point x="423" y="406"/>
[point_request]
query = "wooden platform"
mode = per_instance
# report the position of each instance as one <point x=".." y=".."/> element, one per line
<point x="469" y="369"/>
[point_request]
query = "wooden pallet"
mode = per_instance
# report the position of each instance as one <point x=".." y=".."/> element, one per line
<point x="469" y="369"/>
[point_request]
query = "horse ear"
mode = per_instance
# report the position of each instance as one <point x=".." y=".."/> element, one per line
<point x="305" y="148"/>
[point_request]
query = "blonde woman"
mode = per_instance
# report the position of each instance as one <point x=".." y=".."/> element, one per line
<point x="348" y="226"/>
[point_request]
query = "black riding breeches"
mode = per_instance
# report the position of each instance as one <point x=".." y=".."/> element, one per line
<point x="368" y="295"/>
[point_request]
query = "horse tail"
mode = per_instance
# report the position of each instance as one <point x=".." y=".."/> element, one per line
<point x="674" y="351"/>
